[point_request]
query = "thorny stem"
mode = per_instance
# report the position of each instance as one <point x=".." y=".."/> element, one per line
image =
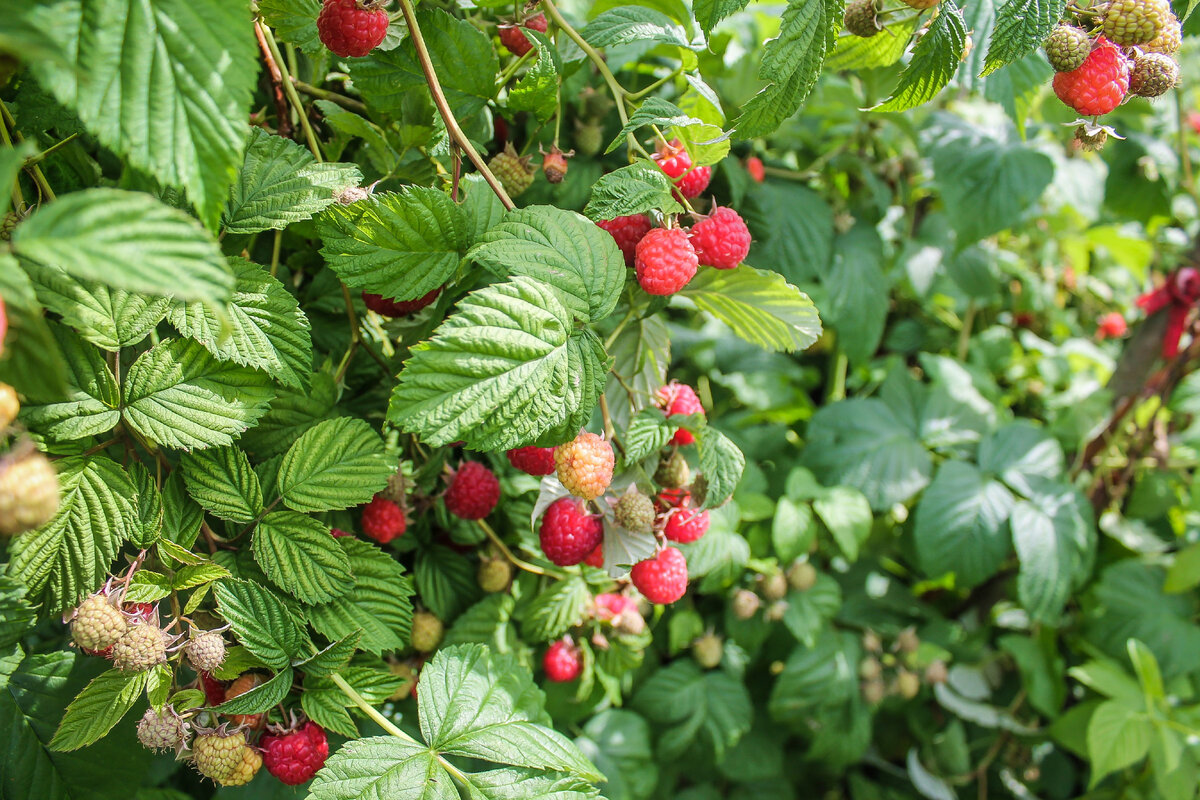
<point x="443" y="107"/>
<point x="285" y="78"/>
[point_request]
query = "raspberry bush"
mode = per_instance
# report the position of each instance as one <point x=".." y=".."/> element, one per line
<point x="565" y="400"/>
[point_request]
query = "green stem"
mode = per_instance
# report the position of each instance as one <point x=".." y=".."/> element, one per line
<point x="40" y="157"/>
<point x="285" y="77"/>
<point x="443" y="107"/>
<point x="964" y="335"/>
<point x="370" y="710"/>
<point x="275" y="253"/>
<point x="638" y="95"/>
<point x="511" y="69"/>
<point x="355" y="337"/>
<point x="348" y="103"/>
<point x="516" y="562"/>
<point x="837" y="385"/>
<point x="38" y="178"/>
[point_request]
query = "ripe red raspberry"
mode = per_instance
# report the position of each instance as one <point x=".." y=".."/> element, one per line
<point x="399" y="308"/>
<point x="722" y="239"/>
<point x="294" y="757"/>
<point x="1111" y="325"/>
<point x="532" y="460"/>
<point x="596" y="557"/>
<point x="568" y="533"/>
<point x="662" y="579"/>
<point x="679" y="398"/>
<point x="512" y="38"/>
<point x="214" y="690"/>
<point x="674" y="160"/>
<point x="473" y="491"/>
<point x="1099" y="85"/>
<point x="754" y="166"/>
<point x="627" y="231"/>
<point x="563" y="661"/>
<point x="383" y="520"/>
<point x="685" y="525"/>
<point x="352" y="28"/>
<point x="338" y="533"/>
<point x="665" y="261"/>
<point x="585" y="465"/>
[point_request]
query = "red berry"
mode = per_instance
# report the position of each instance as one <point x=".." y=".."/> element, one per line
<point x="627" y="231"/>
<point x="296" y="756"/>
<point x="568" y="533"/>
<point x="338" y="533"/>
<point x="679" y="398"/>
<point x="754" y="166"/>
<point x="1111" y="325"/>
<point x="399" y="308"/>
<point x="1099" y="85"/>
<point x="352" y="28"/>
<point x="662" y="579"/>
<point x="674" y="160"/>
<point x="214" y="690"/>
<point x="608" y="605"/>
<point x="665" y="261"/>
<point x="512" y="38"/>
<point x="383" y="520"/>
<point x="532" y="460"/>
<point x="685" y="525"/>
<point x="473" y="491"/>
<point x="596" y="557"/>
<point x="563" y="661"/>
<point x="722" y="239"/>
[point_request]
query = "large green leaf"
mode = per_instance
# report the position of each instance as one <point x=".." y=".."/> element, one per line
<point x="690" y="705"/>
<point x="383" y="766"/>
<point x="1118" y="736"/>
<point x="1021" y="26"/>
<point x="165" y="83"/>
<point x="562" y="249"/>
<point x="89" y="407"/>
<point x="858" y="292"/>
<point x="633" y="189"/>
<point x="260" y="621"/>
<point x="823" y="675"/>
<point x="445" y="580"/>
<point x="710" y="12"/>
<point x="378" y="604"/>
<point x="479" y="705"/>
<point x="280" y="183"/>
<point x="299" y="554"/>
<point x="537" y="91"/>
<point x="1055" y="538"/>
<point x="178" y="395"/>
<point x="959" y="524"/>
<point x="70" y="556"/>
<point x="294" y="21"/>
<point x="618" y="742"/>
<point x="555" y="610"/>
<point x="629" y="24"/>
<point x="261" y="326"/>
<point x="1019" y="454"/>
<point x="336" y="464"/>
<point x="31" y="361"/>
<point x="759" y="306"/>
<point x="222" y="481"/>
<point x="641" y="356"/>
<point x="99" y="707"/>
<point x="508" y="369"/>
<point x="127" y="240"/>
<point x="17" y="616"/>
<point x="108" y="318"/>
<point x="934" y="61"/>
<point x="793" y="230"/>
<point x="721" y="462"/>
<point x="401" y="245"/>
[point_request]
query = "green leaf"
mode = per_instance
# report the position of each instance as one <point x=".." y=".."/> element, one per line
<point x="31" y="359"/>
<point x="89" y="406"/>
<point x="633" y="189"/>
<point x="378" y="605"/>
<point x="383" y="766"/>
<point x="108" y="318"/>
<point x="98" y="708"/>
<point x="222" y="481"/>
<point x="193" y="575"/>
<point x="960" y="527"/>
<point x="262" y="697"/>
<point x="555" y="610"/>
<point x="334" y="658"/>
<point x="628" y="24"/>
<point x="647" y="433"/>
<point x="1019" y="454"/>
<point x="1042" y="670"/>
<point x="934" y="61"/>
<point x="1146" y="667"/>
<point x="336" y="464"/>
<point x="758" y="306"/>
<point x="562" y="249"/>
<point x="446" y="581"/>
<point x="623" y="548"/>
<point x="164" y="83"/>
<point x="710" y="12"/>
<point x="280" y="183"/>
<point x="177" y="395"/>
<point x="847" y="514"/>
<point x="793" y="230"/>
<point x="461" y="55"/>
<point x="618" y="742"/>
<point x="69" y="556"/>
<point x="181" y="515"/>
<point x="401" y="245"/>
<point x="479" y="705"/>
<point x="855" y="52"/>
<point x="292" y="413"/>
<point x="654" y="110"/>
<point x="300" y="555"/>
<point x="687" y="705"/>
<point x="127" y="240"/>
<point x="481" y="206"/>
<point x="1184" y="571"/>
<point x="793" y="529"/>
<point x="294" y="21"/>
<point x="641" y="355"/>
<point x="488" y="622"/>
<point x="721" y="462"/>
<point x="17" y="616"/>
<point x="1117" y="737"/>
<point x="808" y="611"/>
<point x="858" y="292"/>
<point x="260" y="621"/>
<point x="930" y="786"/>
<point x="521" y="784"/>
<point x="1021" y="27"/>
<point x="537" y="91"/>
<point x="817" y="677"/>
<point x="534" y="377"/>
<point x="791" y="64"/>
<point x="1109" y="679"/>
<point x="261" y="326"/>
<point x="1054" y="538"/>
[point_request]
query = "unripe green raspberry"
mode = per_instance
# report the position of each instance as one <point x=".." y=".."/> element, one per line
<point x="494" y="575"/>
<point x="1067" y="47"/>
<point x="745" y="604"/>
<point x="1130" y="22"/>
<point x="141" y="648"/>
<point x="1153" y="74"/>
<point x="634" y="512"/>
<point x="98" y="624"/>
<point x="513" y="171"/>
<point x="28" y="493"/>
<point x="861" y="18"/>
<point x="907" y="684"/>
<point x="427" y="631"/>
<point x="246" y="768"/>
<point x="589" y="138"/>
<point x="870" y="669"/>
<point x="802" y="576"/>
<point x="708" y="651"/>
<point x="673" y="472"/>
<point x="1169" y="39"/>
<point x="206" y="651"/>
<point x="165" y="731"/>
<point x="775" y="586"/>
<point x="1091" y="137"/>
<point x="218" y="756"/>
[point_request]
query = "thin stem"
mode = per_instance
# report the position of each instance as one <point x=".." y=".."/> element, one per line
<point x="503" y="548"/>
<point x="837" y="384"/>
<point x="1181" y="143"/>
<point x="355" y="336"/>
<point x="40" y="157"/>
<point x="511" y="69"/>
<point x="609" y="429"/>
<point x="964" y="335"/>
<point x="370" y="710"/>
<point x="18" y="198"/>
<point x="38" y="178"/>
<point x="275" y="253"/>
<point x="443" y="107"/>
<point x="638" y="95"/>
<point x="348" y="103"/>
<point x="285" y="78"/>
